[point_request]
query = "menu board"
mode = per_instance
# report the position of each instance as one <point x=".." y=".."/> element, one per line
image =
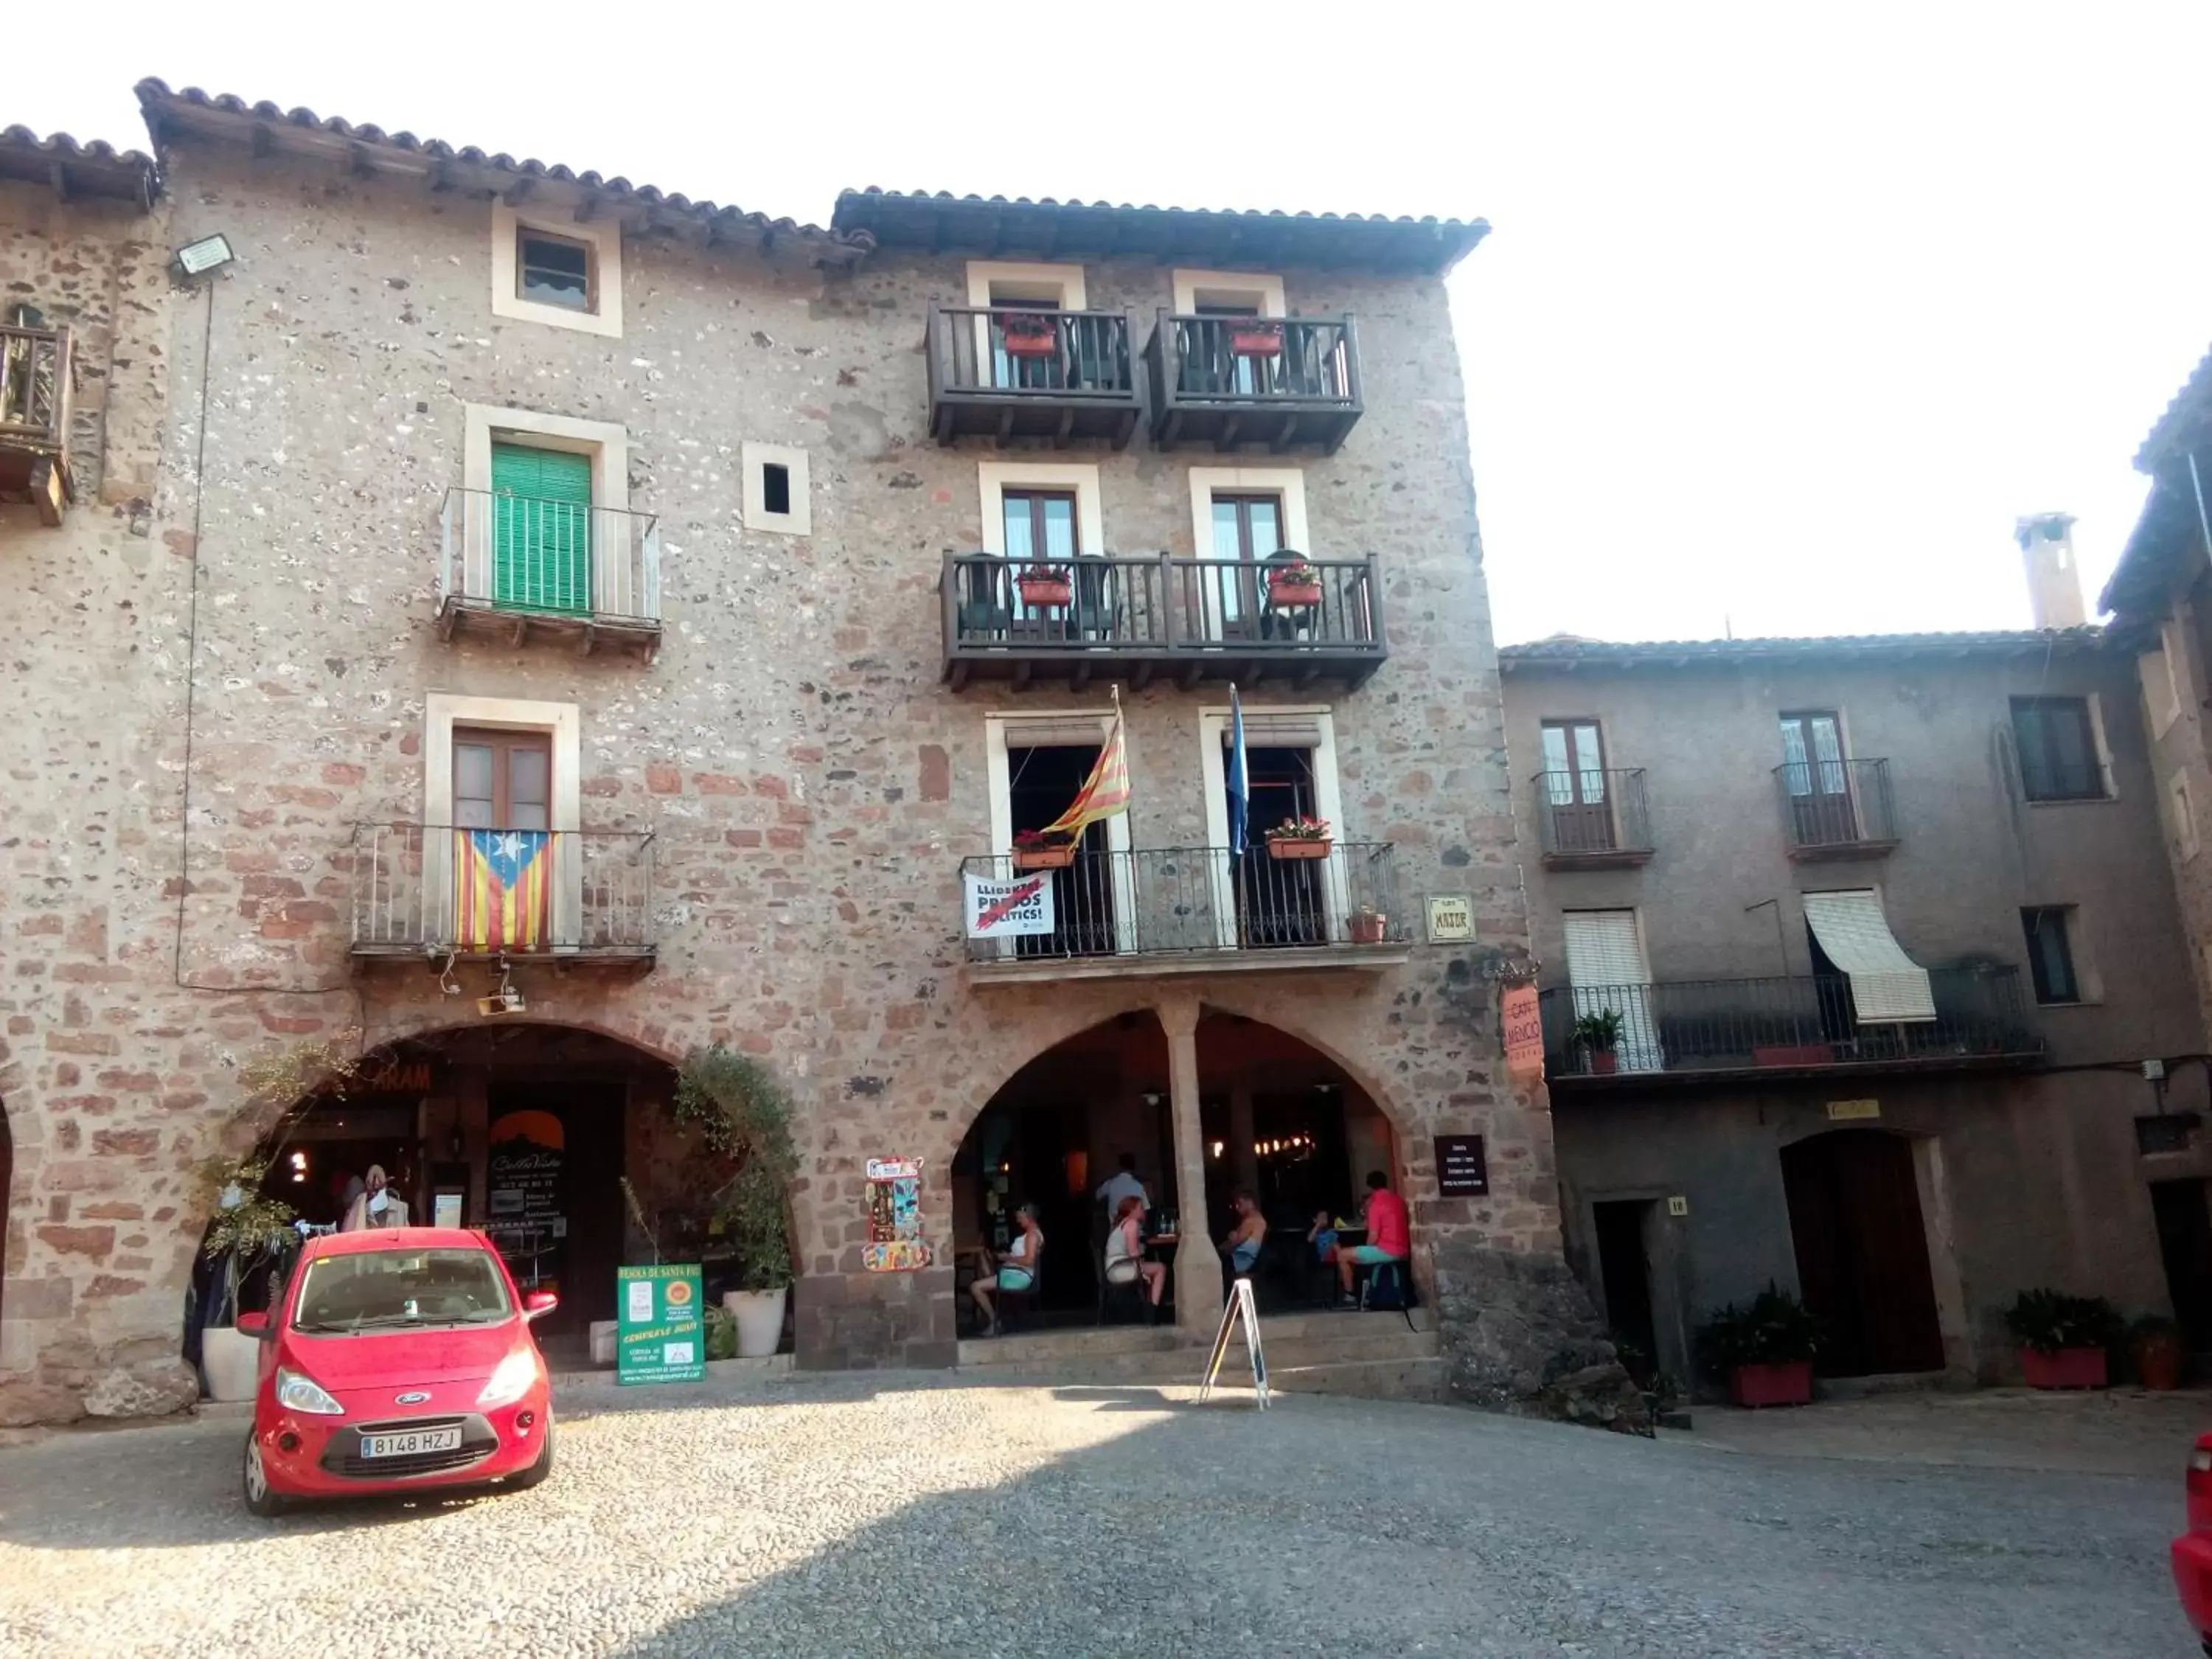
<point x="660" y="1336"/>
<point x="526" y="1196"/>
<point x="1461" y="1170"/>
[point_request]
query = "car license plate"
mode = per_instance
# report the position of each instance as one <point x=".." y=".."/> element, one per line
<point x="408" y="1445"/>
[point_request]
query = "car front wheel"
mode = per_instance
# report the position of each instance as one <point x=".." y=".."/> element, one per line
<point x="538" y="1471"/>
<point x="260" y="1499"/>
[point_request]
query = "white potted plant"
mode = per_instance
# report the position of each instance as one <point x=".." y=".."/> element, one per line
<point x="742" y="1112"/>
<point x="245" y="1234"/>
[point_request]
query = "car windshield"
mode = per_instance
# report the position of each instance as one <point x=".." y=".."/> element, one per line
<point x="387" y="1290"/>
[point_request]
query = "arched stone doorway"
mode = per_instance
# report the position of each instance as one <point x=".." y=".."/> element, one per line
<point x="525" y="1130"/>
<point x="1860" y="1239"/>
<point x="1269" y="1113"/>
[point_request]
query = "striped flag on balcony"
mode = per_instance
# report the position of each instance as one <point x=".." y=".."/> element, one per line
<point x="503" y="888"/>
<point x="1105" y="792"/>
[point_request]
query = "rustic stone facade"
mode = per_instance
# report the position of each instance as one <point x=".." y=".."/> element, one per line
<point x="810" y="784"/>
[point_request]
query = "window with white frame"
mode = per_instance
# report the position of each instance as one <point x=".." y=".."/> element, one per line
<point x="1030" y="298"/>
<point x="1036" y="765"/>
<point x="1258" y="899"/>
<point x="1246" y="522"/>
<point x="554" y="271"/>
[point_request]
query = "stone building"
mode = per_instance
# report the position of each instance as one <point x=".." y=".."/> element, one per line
<point x="684" y="543"/>
<point x="1887" y="933"/>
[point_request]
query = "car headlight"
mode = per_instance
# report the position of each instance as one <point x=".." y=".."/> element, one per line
<point x="512" y="1380"/>
<point x="301" y="1393"/>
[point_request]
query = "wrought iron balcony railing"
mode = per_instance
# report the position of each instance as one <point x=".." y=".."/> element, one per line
<point x="1286" y="382"/>
<point x="1836" y="808"/>
<point x="1192" y="618"/>
<point x="1031" y="372"/>
<point x="1179" y="901"/>
<point x="1805" y="1022"/>
<point x="517" y="565"/>
<point x="1592" y="818"/>
<point x="426" y="890"/>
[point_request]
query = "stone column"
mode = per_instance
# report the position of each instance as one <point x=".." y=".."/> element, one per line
<point x="1242" y="1157"/>
<point x="1198" y="1263"/>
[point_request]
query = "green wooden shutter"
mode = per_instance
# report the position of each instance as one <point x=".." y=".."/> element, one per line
<point x="542" y="529"/>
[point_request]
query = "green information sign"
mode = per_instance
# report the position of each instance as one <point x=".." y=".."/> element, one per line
<point x="660" y="1331"/>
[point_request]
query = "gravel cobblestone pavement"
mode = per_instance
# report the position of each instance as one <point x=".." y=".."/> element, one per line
<point x="895" y="1516"/>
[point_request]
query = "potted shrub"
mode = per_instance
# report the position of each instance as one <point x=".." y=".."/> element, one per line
<point x="1294" y="583"/>
<point x="1766" y="1348"/>
<point x="1035" y="850"/>
<point x="2154" y="1343"/>
<point x="742" y="1112"/>
<point x="1598" y="1035"/>
<point x="1369" y="925"/>
<point x="1029" y="333"/>
<point x="1256" y="337"/>
<point x="1300" y="838"/>
<point x="2062" y="1338"/>
<point x="1042" y="585"/>
<point x="246" y="1234"/>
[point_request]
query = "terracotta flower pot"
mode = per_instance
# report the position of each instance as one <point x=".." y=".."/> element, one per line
<point x="1040" y="592"/>
<point x="1369" y="929"/>
<point x="1604" y="1062"/>
<point x="2158" y="1363"/>
<point x="1256" y="341"/>
<point x="1044" y="858"/>
<point x="1283" y="847"/>
<point x="1790" y="1383"/>
<point x="1031" y="345"/>
<point x="2069" y="1367"/>
<point x="1287" y="592"/>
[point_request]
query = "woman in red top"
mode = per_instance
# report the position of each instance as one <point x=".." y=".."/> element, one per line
<point x="1388" y="1238"/>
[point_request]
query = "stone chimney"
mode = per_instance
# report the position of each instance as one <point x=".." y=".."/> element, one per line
<point x="2054" y="581"/>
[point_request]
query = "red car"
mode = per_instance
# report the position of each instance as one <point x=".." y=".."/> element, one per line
<point x="2192" y="1551"/>
<point x="398" y="1359"/>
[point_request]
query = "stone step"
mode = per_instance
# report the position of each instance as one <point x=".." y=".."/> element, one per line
<point x="1363" y="1379"/>
<point x="1085" y="1342"/>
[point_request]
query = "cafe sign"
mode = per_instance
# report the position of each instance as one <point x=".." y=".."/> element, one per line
<point x="1524" y="1031"/>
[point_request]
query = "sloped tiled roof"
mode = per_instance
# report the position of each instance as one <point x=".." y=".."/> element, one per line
<point x="941" y="221"/>
<point x="2185" y="411"/>
<point x="167" y="113"/>
<point x="71" y="168"/>
<point x="1566" y="652"/>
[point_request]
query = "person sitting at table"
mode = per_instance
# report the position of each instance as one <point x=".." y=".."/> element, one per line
<point x="1015" y="1271"/>
<point x="1322" y="1236"/>
<point x="1241" y="1247"/>
<point x="1383" y="1215"/>
<point x="1124" y="1254"/>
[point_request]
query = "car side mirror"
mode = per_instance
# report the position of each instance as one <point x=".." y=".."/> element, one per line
<point x="256" y="1325"/>
<point x="537" y="1304"/>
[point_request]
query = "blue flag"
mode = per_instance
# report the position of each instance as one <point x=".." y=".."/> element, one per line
<point x="1239" y="779"/>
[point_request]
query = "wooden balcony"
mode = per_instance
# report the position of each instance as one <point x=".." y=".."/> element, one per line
<point x="1031" y="372"/>
<point x="37" y="376"/>
<point x="1187" y="620"/>
<point x="1286" y="382"/>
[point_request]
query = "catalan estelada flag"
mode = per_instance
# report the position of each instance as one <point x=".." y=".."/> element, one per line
<point x="503" y="888"/>
<point x="1104" y="792"/>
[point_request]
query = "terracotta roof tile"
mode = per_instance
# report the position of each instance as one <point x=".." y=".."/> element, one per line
<point x="162" y="106"/>
<point x="1566" y="652"/>
<point x="92" y="167"/>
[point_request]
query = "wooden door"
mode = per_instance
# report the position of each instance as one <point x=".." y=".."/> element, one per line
<point x="1625" y="1267"/>
<point x="1861" y="1247"/>
<point x="1816" y="781"/>
<point x="1248" y="530"/>
<point x="2184" y="1246"/>
<point x="503" y="780"/>
<point x="541" y="529"/>
<point x="1575" y="788"/>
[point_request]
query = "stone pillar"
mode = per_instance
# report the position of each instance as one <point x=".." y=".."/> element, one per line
<point x="1242" y="1157"/>
<point x="1197" y="1264"/>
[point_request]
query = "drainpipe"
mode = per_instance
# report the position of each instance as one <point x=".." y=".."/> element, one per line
<point x="2204" y="524"/>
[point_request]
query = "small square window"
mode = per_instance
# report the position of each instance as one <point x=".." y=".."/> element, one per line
<point x="775" y="488"/>
<point x="553" y="270"/>
<point x="2050" y="952"/>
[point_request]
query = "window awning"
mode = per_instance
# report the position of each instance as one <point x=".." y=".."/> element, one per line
<point x="1888" y="987"/>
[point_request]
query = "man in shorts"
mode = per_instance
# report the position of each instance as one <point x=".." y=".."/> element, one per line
<point x="1388" y="1238"/>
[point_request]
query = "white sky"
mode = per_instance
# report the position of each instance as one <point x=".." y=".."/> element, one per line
<point x="1782" y="322"/>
